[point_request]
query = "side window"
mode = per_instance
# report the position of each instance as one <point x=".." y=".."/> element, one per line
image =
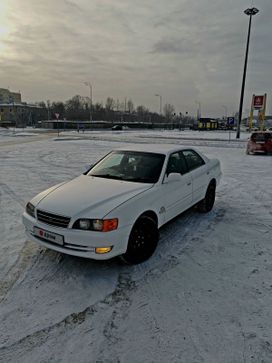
<point x="253" y="137"/>
<point x="193" y="160"/>
<point x="177" y="164"/>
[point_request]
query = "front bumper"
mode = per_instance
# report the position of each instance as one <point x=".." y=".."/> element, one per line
<point x="80" y="243"/>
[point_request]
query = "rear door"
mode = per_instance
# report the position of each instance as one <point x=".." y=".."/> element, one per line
<point x="199" y="173"/>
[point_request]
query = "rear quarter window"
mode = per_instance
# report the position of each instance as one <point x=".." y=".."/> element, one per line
<point x="193" y="159"/>
<point x="258" y="137"/>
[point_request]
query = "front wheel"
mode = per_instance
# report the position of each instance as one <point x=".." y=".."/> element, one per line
<point x="142" y="241"/>
<point x="206" y="204"/>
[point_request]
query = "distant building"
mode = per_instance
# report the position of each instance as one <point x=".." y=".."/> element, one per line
<point x="9" y="97"/>
<point x="15" y="112"/>
<point x="207" y="124"/>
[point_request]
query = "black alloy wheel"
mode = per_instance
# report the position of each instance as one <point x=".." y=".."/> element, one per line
<point x="142" y="241"/>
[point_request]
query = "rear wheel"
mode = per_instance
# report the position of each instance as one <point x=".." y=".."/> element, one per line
<point x="206" y="204"/>
<point x="142" y="241"/>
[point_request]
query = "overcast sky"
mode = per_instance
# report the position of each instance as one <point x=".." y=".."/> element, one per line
<point x="184" y="50"/>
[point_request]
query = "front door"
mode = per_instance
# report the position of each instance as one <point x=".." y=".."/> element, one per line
<point x="177" y="193"/>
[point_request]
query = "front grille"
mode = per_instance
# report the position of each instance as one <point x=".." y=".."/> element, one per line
<point x="53" y="219"/>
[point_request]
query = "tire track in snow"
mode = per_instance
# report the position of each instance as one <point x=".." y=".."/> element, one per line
<point x="20" y="265"/>
<point x="119" y="301"/>
<point x="33" y="139"/>
<point x="2" y="225"/>
<point x="152" y="318"/>
<point x="45" y="159"/>
<point x="12" y="194"/>
<point x="119" y="298"/>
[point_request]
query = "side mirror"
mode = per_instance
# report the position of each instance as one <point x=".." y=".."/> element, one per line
<point x="173" y="177"/>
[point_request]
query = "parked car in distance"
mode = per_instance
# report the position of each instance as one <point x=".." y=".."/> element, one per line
<point x="117" y="127"/>
<point x="118" y="206"/>
<point x="260" y="142"/>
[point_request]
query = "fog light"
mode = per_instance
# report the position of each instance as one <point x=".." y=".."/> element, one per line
<point x="101" y="250"/>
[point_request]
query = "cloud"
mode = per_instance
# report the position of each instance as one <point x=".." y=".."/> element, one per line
<point x="173" y="46"/>
<point x="182" y="49"/>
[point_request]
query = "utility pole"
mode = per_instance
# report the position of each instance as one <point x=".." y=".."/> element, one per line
<point x="91" y="98"/>
<point x="157" y="95"/>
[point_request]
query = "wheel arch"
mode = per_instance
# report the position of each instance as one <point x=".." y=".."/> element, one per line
<point x="151" y="214"/>
<point x="213" y="182"/>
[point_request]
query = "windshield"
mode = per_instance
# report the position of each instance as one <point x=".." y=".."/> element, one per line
<point x="141" y="167"/>
<point x="261" y="136"/>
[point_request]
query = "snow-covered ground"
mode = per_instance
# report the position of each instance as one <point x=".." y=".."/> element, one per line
<point x="205" y="296"/>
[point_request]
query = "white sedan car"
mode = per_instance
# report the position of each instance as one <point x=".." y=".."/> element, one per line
<point x="117" y="207"/>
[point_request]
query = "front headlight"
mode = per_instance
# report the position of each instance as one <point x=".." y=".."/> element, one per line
<point x="100" y="225"/>
<point x="30" y="209"/>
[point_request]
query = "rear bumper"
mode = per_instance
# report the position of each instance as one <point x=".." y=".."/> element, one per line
<point x="262" y="148"/>
<point x="80" y="243"/>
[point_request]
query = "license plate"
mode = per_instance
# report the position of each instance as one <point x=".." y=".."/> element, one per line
<point x="48" y="236"/>
<point x="260" y="142"/>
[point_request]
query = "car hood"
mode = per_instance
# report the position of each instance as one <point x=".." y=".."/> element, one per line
<point x="87" y="196"/>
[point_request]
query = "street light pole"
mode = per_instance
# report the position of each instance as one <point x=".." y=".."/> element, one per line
<point x="198" y="114"/>
<point x="250" y="13"/>
<point x="157" y="95"/>
<point x="91" y="97"/>
<point x="226" y="111"/>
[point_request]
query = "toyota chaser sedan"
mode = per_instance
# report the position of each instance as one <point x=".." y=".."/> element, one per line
<point x="117" y="207"/>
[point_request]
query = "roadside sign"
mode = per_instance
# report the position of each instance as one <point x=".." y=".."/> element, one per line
<point x="231" y="121"/>
<point x="258" y="102"/>
<point x="57" y="115"/>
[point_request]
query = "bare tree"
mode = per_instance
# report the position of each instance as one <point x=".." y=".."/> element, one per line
<point x="109" y="104"/>
<point x="76" y="108"/>
<point x="122" y="107"/>
<point x="58" y="107"/>
<point x="142" y="112"/>
<point x="169" y="111"/>
<point x="117" y="105"/>
<point x="41" y="104"/>
<point x="130" y="106"/>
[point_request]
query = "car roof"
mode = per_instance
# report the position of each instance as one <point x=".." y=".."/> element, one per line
<point x="155" y="148"/>
<point x="262" y="132"/>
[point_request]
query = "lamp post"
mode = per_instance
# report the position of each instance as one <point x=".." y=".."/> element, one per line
<point x="198" y="113"/>
<point x="48" y="109"/>
<point x="226" y="111"/>
<point x="157" y="95"/>
<point x="250" y="12"/>
<point x="91" y="97"/>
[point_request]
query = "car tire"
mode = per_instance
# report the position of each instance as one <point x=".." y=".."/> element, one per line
<point x="142" y="241"/>
<point x="206" y="204"/>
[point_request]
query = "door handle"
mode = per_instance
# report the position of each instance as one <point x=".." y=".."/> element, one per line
<point x="208" y="173"/>
<point x="189" y="183"/>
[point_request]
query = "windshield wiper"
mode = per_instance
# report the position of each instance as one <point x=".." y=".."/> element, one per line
<point x="107" y="176"/>
<point x="140" y="180"/>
